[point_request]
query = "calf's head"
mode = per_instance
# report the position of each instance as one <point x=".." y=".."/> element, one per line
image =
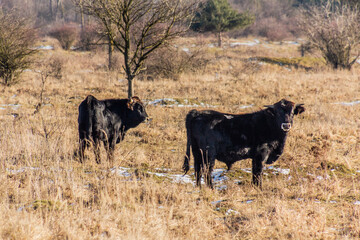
<point x="137" y="113"/>
<point x="283" y="113"/>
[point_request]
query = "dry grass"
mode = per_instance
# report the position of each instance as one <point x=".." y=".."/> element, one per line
<point x="45" y="193"/>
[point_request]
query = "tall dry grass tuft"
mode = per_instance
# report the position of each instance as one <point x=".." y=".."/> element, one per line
<point x="46" y="193"/>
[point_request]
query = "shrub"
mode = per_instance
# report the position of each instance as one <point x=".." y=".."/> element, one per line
<point x="334" y="31"/>
<point x="171" y="62"/>
<point x="89" y="37"/>
<point x="16" y="40"/>
<point x="66" y="34"/>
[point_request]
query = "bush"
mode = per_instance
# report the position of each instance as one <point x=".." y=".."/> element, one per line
<point x="16" y="40"/>
<point x="271" y="28"/>
<point x="66" y="34"/>
<point x="171" y="62"/>
<point x="89" y="37"/>
<point x="334" y="31"/>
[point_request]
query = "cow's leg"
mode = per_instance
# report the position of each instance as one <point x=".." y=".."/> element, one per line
<point x="82" y="147"/>
<point x="258" y="161"/>
<point x="197" y="164"/>
<point x="209" y="165"/>
<point x="110" y="148"/>
<point x="257" y="168"/>
<point x="97" y="151"/>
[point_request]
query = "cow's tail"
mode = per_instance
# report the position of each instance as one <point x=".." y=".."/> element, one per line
<point x="189" y="117"/>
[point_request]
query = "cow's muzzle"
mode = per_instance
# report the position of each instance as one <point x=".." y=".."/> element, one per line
<point x="147" y="120"/>
<point x="286" y="127"/>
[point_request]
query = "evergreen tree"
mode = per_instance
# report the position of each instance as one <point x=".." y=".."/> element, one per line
<point x="218" y="16"/>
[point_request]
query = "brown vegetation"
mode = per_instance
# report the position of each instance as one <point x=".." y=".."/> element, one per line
<point x="45" y="193"/>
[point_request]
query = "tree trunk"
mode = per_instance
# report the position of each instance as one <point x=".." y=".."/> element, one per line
<point x="130" y="86"/>
<point x="219" y="39"/>
<point x="110" y="50"/>
<point x="50" y="10"/>
<point x="82" y="23"/>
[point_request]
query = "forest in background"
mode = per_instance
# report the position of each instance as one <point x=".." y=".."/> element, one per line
<point x="274" y="19"/>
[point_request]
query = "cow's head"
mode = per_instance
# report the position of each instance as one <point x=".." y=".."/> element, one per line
<point x="137" y="113"/>
<point x="283" y="113"/>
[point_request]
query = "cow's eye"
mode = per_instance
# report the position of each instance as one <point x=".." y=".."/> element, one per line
<point x="139" y="107"/>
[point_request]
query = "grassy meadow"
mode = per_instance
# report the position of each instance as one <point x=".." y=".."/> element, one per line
<point x="46" y="193"/>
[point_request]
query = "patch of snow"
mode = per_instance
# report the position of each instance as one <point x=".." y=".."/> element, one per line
<point x="21" y="170"/>
<point x="170" y="102"/>
<point x="222" y="187"/>
<point x="247" y="170"/>
<point x="46" y="47"/>
<point x="357" y="203"/>
<point x="216" y="202"/>
<point x="291" y="42"/>
<point x="163" y="169"/>
<point x="249" y="43"/>
<point x="185" y="49"/>
<point x="231" y="212"/>
<point x="121" y="171"/>
<point x="353" y="103"/>
<point x="218" y="175"/>
<point x="12" y="106"/>
<point x="178" y="178"/>
<point x="246" y="106"/>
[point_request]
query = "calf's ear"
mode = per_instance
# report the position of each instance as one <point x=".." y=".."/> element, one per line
<point x="299" y="108"/>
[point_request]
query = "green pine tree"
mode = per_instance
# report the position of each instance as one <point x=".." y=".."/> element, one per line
<point x="218" y="16"/>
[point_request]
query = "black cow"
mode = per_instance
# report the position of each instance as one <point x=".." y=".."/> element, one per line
<point x="229" y="138"/>
<point x="107" y="121"/>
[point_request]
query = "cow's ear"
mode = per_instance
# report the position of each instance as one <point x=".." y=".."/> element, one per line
<point x="299" y="108"/>
<point x="130" y="104"/>
<point x="270" y="109"/>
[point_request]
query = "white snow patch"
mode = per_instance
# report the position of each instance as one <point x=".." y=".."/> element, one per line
<point x="353" y="103"/>
<point x="246" y="106"/>
<point x="45" y="47"/>
<point x="170" y="102"/>
<point x="185" y="49"/>
<point x="12" y="106"/>
<point x="248" y="43"/>
<point x="121" y="171"/>
<point x="216" y="202"/>
<point x="231" y="212"/>
<point x="21" y="170"/>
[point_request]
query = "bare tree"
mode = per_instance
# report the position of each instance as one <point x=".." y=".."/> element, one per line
<point x="334" y="30"/>
<point x="16" y="40"/>
<point x="138" y="27"/>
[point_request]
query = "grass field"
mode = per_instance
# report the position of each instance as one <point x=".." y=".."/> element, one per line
<point x="312" y="191"/>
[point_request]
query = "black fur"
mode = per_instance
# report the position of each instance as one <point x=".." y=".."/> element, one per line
<point x="107" y="121"/>
<point x="229" y="138"/>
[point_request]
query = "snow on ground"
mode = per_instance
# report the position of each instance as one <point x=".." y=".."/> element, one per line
<point x="170" y="102"/>
<point x="219" y="178"/>
<point x="352" y="103"/>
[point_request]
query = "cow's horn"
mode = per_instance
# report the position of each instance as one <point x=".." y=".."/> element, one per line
<point x="269" y="106"/>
